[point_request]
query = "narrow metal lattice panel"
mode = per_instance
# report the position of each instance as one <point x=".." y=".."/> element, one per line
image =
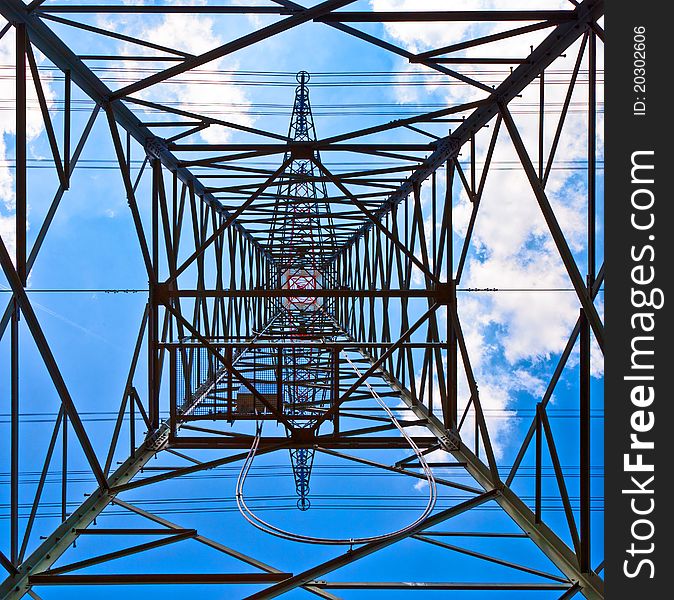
<point x="296" y="380"/>
<point x="201" y="383"/>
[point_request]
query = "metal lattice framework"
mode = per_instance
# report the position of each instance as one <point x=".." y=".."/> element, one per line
<point x="232" y="266"/>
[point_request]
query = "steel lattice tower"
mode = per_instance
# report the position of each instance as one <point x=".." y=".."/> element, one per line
<point x="300" y="294"/>
<point x="302" y="227"/>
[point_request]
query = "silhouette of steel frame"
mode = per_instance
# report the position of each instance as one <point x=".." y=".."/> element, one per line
<point x="370" y="249"/>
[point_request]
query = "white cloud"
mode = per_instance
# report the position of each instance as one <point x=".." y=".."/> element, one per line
<point x="510" y="334"/>
<point x="419" y="37"/>
<point x="7" y="233"/>
<point x="425" y="36"/>
<point x="6" y="178"/>
<point x="203" y="90"/>
<point x="516" y="250"/>
<point x="34" y="127"/>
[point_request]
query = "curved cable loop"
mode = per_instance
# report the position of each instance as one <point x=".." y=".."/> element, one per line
<point x="263" y="525"/>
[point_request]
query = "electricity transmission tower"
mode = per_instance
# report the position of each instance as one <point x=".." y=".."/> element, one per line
<point x="301" y="310"/>
<point x="302" y="234"/>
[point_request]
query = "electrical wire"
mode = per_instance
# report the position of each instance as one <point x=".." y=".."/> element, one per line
<point x="322" y="471"/>
<point x="267" y="527"/>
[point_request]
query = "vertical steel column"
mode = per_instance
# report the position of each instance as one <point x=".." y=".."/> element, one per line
<point x="585" y="489"/>
<point x="541" y="124"/>
<point x="473" y="178"/>
<point x="279" y="380"/>
<point x="20" y="172"/>
<point x="476" y="433"/>
<point x="230" y="381"/>
<point x="584" y="557"/>
<point x="66" y="129"/>
<point x="451" y="419"/>
<point x="20" y="225"/>
<point x="434" y="232"/>
<point x="128" y="153"/>
<point x="132" y="423"/>
<point x="14" y="442"/>
<point x="335" y="388"/>
<point x="539" y="447"/>
<point x="64" y="468"/>
<point x="591" y="158"/>
<point x="153" y="306"/>
<point x="173" y="394"/>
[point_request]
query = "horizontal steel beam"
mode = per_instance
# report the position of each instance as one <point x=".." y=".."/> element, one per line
<point x="473" y="61"/>
<point x="301" y="149"/>
<point x="435" y="16"/>
<point x="262" y="343"/>
<point x="164" y="9"/>
<point x="297" y="293"/>
<point x="366" y="442"/>
<point x="159" y="579"/>
<point x="430" y="586"/>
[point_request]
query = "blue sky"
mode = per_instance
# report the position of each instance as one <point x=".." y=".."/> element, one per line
<point x="514" y="337"/>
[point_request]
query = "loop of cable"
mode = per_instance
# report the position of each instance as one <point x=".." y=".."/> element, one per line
<point x="263" y="525"/>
